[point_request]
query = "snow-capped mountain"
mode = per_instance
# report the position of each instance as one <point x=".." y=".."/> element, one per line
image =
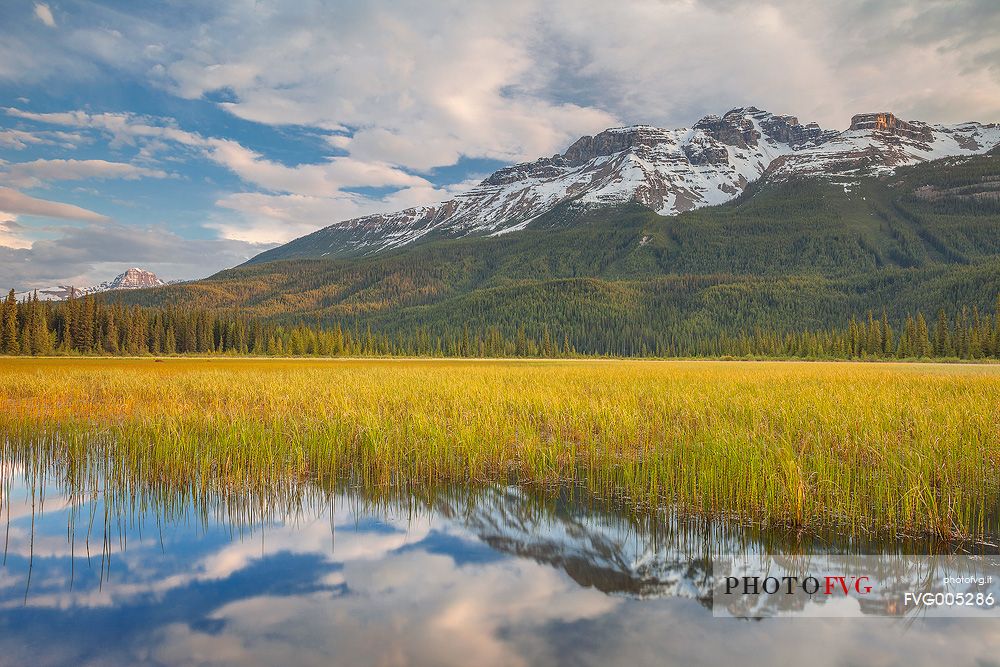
<point x="670" y="171"/>
<point x="133" y="278"/>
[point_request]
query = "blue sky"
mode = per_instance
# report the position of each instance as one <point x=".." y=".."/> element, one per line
<point x="185" y="137"/>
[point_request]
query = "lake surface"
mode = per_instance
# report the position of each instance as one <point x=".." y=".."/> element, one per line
<point x="500" y="576"/>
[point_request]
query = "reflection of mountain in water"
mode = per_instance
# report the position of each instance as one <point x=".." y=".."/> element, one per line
<point x="596" y="549"/>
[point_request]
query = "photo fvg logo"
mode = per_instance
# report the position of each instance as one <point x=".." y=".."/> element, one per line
<point x="793" y="585"/>
<point x="759" y="585"/>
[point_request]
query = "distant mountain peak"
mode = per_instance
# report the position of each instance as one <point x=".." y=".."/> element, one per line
<point x="669" y="171"/>
<point x="134" y="278"/>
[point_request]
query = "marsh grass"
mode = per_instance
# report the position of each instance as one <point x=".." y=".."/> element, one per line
<point x="866" y="449"/>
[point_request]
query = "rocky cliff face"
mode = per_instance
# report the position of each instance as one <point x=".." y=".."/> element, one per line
<point x="888" y="123"/>
<point x="786" y="129"/>
<point x="670" y="171"/>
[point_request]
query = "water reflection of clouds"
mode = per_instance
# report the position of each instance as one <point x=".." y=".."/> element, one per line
<point x="415" y="608"/>
<point x="143" y="570"/>
<point x="346" y="542"/>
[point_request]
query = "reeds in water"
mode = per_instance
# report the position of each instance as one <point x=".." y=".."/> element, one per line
<point x="873" y="449"/>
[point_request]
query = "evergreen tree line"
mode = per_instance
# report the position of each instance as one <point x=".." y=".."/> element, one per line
<point x="92" y="326"/>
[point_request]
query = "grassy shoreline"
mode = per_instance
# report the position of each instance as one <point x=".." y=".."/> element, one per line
<point x="864" y="448"/>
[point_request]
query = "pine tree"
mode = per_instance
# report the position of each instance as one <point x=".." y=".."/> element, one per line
<point x="66" y="343"/>
<point x="907" y="341"/>
<point x="43" y="338"/>
<point x="87" y="325"/>
<point x="922" y="346"/>
<point x="170" y="340"/>
<point x="887" y="345"/>
<point x="942" y="338"/>
<point x="111" y="336"/>
<point x="9" y="343"/>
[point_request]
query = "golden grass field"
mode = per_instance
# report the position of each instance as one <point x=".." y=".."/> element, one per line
<point x="876" y="449"/>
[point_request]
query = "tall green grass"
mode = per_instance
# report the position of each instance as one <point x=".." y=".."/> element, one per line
<point x="863" y="448"/>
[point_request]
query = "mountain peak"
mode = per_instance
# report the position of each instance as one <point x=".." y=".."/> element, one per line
<point x="613" y="140"/>
<point x="134" y="278"/>
<point x="734" y="128"/>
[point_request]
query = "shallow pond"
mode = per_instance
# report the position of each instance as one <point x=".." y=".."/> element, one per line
<point x="499" y="576"/>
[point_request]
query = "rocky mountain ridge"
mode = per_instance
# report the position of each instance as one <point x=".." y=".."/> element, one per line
<point x="670" y="171"/>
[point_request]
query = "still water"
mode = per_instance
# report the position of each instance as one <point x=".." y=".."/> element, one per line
<point x="499" y="576"/>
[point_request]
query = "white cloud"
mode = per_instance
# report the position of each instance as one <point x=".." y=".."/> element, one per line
<point x="37" y="172"/>
<point x="422" y="85"/>
<point x="44" y="14"/>
<point x="123" y="128"/>
<point x="322" y="179"/>
<point x="18" y="139"/>
<point x="18" y="203"/>
<point x="266" y="218"/>
<point x="11" y="232"/>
